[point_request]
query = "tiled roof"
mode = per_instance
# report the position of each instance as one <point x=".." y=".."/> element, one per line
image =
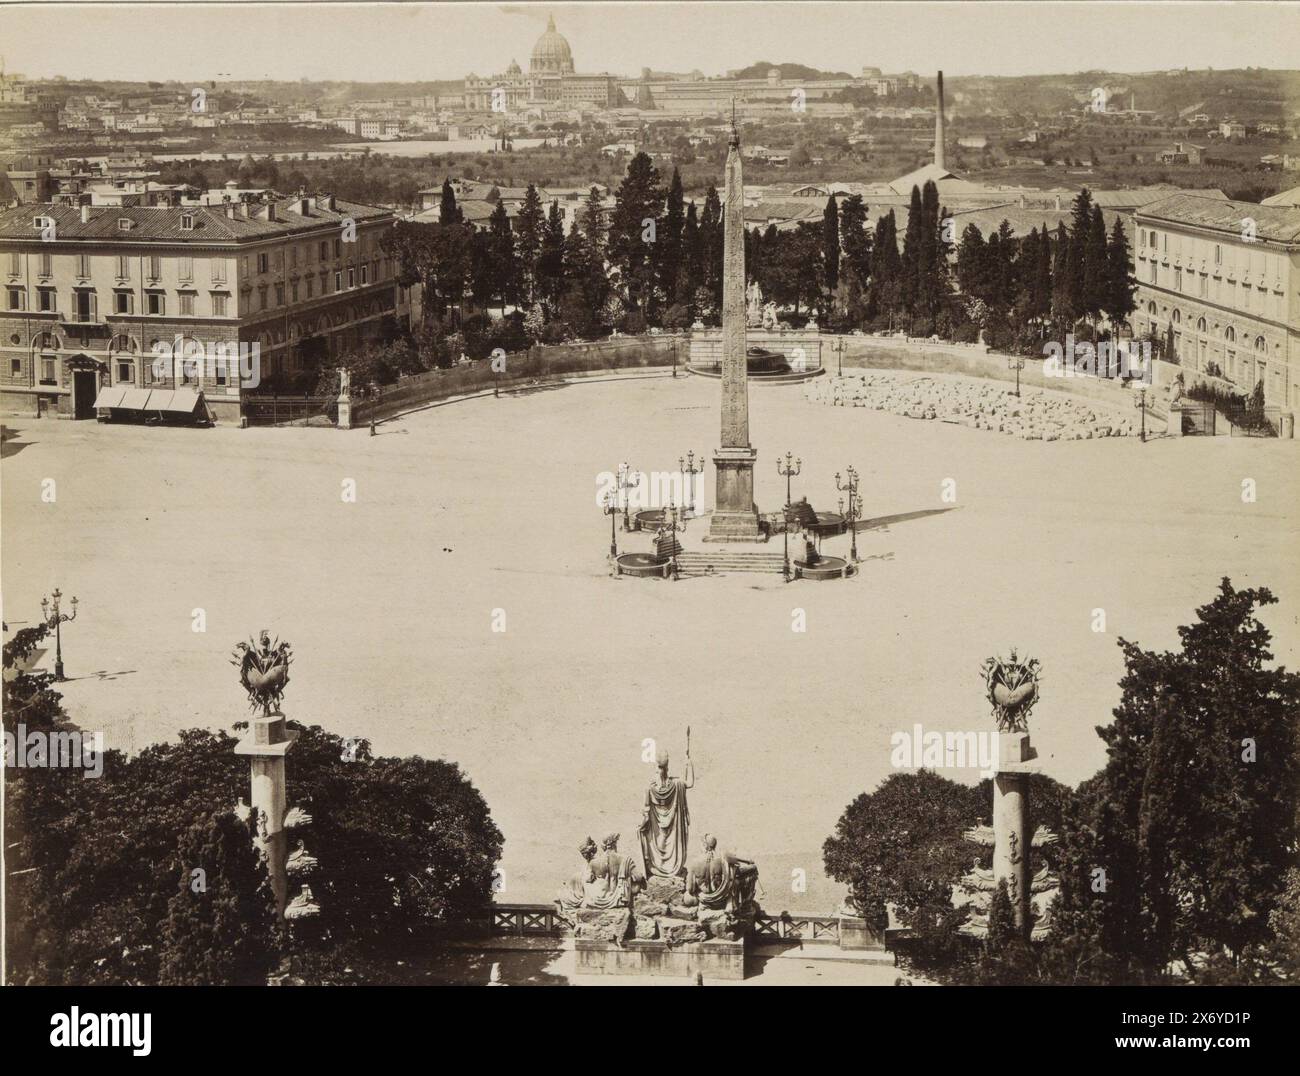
<point x="163" y="223"/>
<point x="1131" y="199"/>
<point x="1285" y="198"/>
<point x="1277" y="223"/>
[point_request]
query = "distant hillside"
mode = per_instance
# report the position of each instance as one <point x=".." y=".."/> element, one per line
<point x="789" y="71"/>
<point x="1250" y="95"/>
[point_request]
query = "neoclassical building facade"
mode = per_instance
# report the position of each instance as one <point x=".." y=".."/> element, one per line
<point x="90" y="292"/>
<point x="1225" y="276"/>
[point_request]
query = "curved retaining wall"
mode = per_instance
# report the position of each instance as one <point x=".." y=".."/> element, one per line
<point x="975" y="360"/>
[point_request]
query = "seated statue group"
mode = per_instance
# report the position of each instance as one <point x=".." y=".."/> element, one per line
<point x="608" y="880"/>
<point x="664" y="891"/>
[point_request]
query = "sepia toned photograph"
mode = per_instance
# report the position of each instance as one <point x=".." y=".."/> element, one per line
<point x="434" y="428"/>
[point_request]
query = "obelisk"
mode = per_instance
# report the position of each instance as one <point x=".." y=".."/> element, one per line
<point x="735" y="519"/>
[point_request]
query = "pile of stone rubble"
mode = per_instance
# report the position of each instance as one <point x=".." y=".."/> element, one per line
<point x="982" y="405"/>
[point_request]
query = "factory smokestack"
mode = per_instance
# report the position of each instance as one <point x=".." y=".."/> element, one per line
<point x="938" y="128"/>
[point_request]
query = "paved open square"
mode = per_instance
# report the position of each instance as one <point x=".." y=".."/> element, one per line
<point x="490" y="505"/>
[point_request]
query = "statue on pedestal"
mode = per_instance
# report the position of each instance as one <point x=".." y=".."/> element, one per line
<point x="612" y="875"/>
<point x="665" y="818"/>
<point x="769" y="317"/>
<point x="720" y="881"/>
<point x="754" y="306"/>
<point x="573" y="893"/>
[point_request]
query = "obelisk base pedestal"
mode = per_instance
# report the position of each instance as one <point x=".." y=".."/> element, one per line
<point x="735" y="519"/>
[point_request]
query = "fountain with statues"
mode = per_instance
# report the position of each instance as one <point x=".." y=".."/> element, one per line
<point x="736" y="520"/>
<point x="668" y="908"/>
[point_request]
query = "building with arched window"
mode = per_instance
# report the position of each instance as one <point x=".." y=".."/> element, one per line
<point x="1225" y="277"/>
<point x="92" y="294"/>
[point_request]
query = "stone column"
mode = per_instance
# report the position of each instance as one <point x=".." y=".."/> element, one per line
<point x="735" y="519"/>
<point x="266" y="745"/>
<point x="1011" y="836"/>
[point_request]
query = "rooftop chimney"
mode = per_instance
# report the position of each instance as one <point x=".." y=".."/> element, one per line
<point x="938" y="128"/>
<point x="85" y="214"/>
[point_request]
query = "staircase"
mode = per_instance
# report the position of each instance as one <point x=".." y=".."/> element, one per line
<point x="724" y="562"/>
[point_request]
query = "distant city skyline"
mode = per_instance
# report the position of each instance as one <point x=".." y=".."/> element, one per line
<point x="404" y="42"/>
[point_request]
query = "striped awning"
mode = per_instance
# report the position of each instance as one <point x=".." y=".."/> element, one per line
<point x="179" y="401"/>
<point x="110" y="397"/>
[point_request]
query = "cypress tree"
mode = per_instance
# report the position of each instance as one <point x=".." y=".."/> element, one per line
<point x="1096" y="267"/>
<point x="529" y="227"/>
<point x="912" y="269"/>
<point x="855" y="239"/>
<point x="1120" y="285"/>
<point x="639" y="199"/>
<point x="669" y="244"/>
<point x="711" y="244"/>
<point x="692" y="257"/>
<point x="1080" y="226"/>
<point x="448" y="211"/>
<point x="1062" y="277"/>
<point x="502" y="263"/>
<point x="550" y="259"/>
<point x="831" y="244"/>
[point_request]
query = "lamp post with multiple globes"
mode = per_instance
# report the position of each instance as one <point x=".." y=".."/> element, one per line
<point x="56" y="620"/>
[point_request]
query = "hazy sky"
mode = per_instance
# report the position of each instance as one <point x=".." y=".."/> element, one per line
<point x="196" y="41"/>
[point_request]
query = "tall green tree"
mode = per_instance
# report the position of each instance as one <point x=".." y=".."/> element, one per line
<point x="902" y="845"/>
<point x="831" y="244"/>
<point x="220" y="928"/>
<point x="1080" y="226"/>
<point x="448" y="211"/>
<point x="530" y="228"/>
<point x="855" y="237"/>
<point x="1120" y="285"/>
<point x="550" y="259"/>
<point x="669" y="242"/>
<point x="633" y="231"/>
<point x="884" y="293"/>
<point x="1062" y="281"/>
<point x="1096" y="268"/>
<point x="711" y="241"/>
<point x="1196" y="810"/>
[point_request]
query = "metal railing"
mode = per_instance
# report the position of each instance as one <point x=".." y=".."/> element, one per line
<point x="819" y="929"/>
<point x="522" y="920"/>
<point x="276" y="410"/>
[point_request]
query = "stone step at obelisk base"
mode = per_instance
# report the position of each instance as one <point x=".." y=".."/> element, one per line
<point x="724" y="561"/>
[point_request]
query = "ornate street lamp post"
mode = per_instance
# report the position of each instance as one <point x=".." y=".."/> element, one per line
<point x="610" y="509"/>
<point x="56" y="620"/>
<point x="787" y="472"/>
<point x="625" y="483"/>
<point x="1017" y="364"/>
<point x="855" y="509"/>
<point x="839" y="357"/>
<point x="689" y="469"/>
<point x="1140" y="402"/>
